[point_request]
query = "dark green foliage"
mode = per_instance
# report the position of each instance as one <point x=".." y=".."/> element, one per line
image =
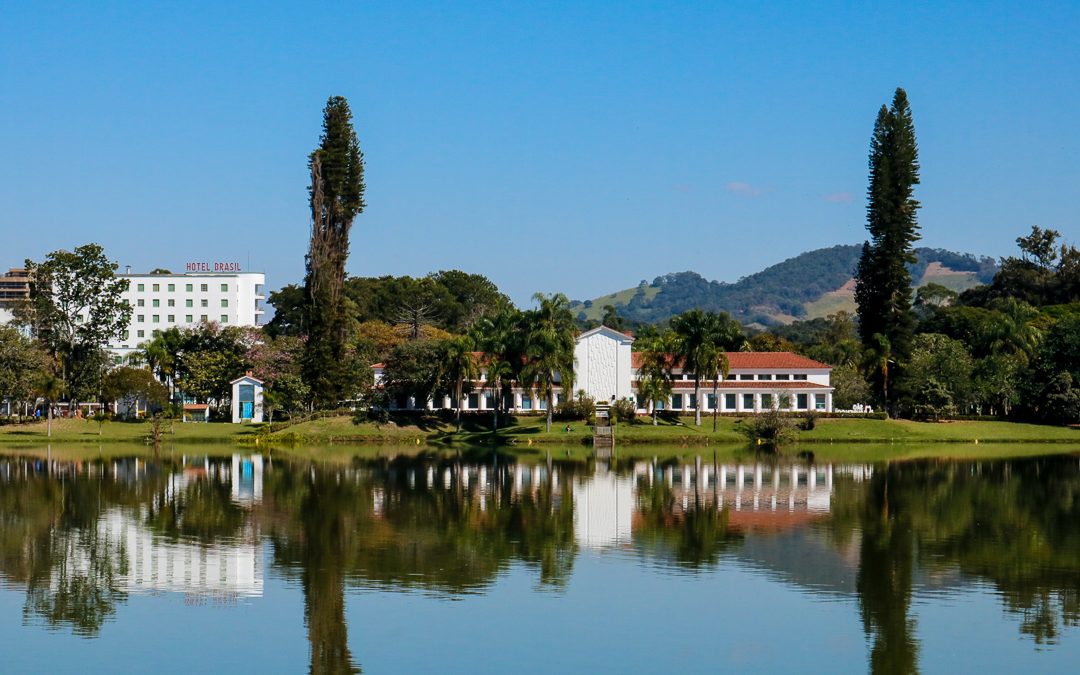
<point x="413" y="371"/>
<point x="205" y="359"/>
<point x="1051" y="393"/>
<point x="21" y="365"/>
<point x="771" y="428"/>
<point x="336" y="198"/>
<point x="76" y="308"/>
<point x="128" y="385"/>
<point x="623" y="411"/>
<point x="1046" y="273"/>
<point x="883" y="281"/>
<point x="453" y="300"/>
<point x="580" y="408"/>
<point x="288" y="304"/>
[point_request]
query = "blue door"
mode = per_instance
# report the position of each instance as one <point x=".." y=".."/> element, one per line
<point x="246" y="409"/>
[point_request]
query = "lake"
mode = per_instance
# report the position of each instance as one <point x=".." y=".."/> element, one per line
<point x="482" y="562"/>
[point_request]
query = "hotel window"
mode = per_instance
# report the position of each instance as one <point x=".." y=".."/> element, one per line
<point x="802" y="401"/>
<point x="141" y="302"/>
<point x="204" y="303"/>
<point x="155" y="303"/>
<point x="141" y="318"/>
<point x="748" y="401"/>
<point x="155" y="318"/>
<point x="156" y="287"/>
<point x="188" y="318"/>
<point x="224" y="287"/>
<point x="710" y="402"/>
<point x="693" y="401"/>
<point x="729" y="401"/>
<point x="801" y="377"/>
<point x="541" y="403"/>
<point x="785" y="376"/>
<point x="744" y="376"/>
<point x="203" y="287"/>
<point x="730" y="376"/>
<point x="473" y="402"/>
<point x="171" y="302"/>
<point x="224" y="303"/>
<point x="676" y="401"/>
<point x="189" y="287"/>
<point x="224" y="318"/>
<point x="141" y="333"/>
<point x="172" y="318"/>
<point x="171" y="287"/>
<point x="819" y="401"/>
<point x="141" y="287"/>
<point x="526" y="402"/>
<point x="766" y="401"/>
<point x="203" y="318"/>
<point x="764" y="376"/>
<point x="189" y="303"/>
<point x="489" y="401"/>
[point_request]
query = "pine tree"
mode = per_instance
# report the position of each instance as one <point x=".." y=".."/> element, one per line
<point x="883" y="282"/>
<point x="336" y="198"/>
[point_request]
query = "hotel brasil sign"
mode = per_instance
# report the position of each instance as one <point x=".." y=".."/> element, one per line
<point x="213" y="267"/>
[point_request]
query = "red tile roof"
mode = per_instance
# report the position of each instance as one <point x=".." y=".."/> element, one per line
<point x="760" y="361"/>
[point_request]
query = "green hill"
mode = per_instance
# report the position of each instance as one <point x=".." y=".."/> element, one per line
<point x="815" y="283"/>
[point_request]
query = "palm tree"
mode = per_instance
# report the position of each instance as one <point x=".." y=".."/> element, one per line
<point x="459" y="366"/>
<point x="549" y="350"/>
<point x="727" y="336"/>
<point x="695" y="348"/>
<point x="654" y="373"/>
<point x="498" y="338"/>
<point x="50" y="388"/>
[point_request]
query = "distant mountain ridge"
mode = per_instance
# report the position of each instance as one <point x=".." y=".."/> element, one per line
<point x="812" y="284"/>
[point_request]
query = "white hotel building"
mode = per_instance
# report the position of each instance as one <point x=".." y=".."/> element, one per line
<point x="161" y="301"/>
<point x="605" y="368"/>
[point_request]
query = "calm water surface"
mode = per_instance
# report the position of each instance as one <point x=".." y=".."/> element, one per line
<point x="489" y="564"/>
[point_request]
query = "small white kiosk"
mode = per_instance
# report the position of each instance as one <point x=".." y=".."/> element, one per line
<point x="247" y="399"/>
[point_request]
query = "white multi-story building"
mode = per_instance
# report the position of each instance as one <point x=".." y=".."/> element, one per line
<point x="161" y="301"/>
<point x="606" y="368"/>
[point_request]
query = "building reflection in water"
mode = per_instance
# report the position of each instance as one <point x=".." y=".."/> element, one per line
<point x="79" y="536"/>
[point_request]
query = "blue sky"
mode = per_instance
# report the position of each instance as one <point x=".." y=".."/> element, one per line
<point x="557" y="146"/>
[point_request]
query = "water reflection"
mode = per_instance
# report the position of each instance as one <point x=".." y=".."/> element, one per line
<point x="79" y="538"/>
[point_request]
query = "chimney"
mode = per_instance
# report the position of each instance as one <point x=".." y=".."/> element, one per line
<point x="127" y="269"/>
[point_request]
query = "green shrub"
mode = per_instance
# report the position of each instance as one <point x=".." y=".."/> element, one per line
<point x="771" y="427"/>
<point x="581" y="408"/>
<point x="623" y="410"/>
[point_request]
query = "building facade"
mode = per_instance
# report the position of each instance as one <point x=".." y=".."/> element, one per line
<point x="161" y="301"/>
<point x="14" y="289"/>
<point x="606" y="367"/>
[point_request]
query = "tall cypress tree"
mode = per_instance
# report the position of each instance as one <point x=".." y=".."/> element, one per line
<point x="336" y="198"/>
<point x="882" y="279"/>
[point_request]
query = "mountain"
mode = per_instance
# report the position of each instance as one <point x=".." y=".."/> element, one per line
<point x="812" y="284"/>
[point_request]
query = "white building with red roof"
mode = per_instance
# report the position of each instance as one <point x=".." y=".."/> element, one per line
<point x="606" y="367"/>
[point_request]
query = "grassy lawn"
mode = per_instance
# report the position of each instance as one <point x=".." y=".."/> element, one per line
<point x="529" y="430"/>
<point x="88" y="432"/>
<point x="830" y="440"/>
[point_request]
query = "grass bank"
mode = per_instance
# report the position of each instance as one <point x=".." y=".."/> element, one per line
<point x="529" y="430"/>
<point x="89" y="432"/>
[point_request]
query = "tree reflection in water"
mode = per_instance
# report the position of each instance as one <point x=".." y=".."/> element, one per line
<point x="449" y="527"/>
